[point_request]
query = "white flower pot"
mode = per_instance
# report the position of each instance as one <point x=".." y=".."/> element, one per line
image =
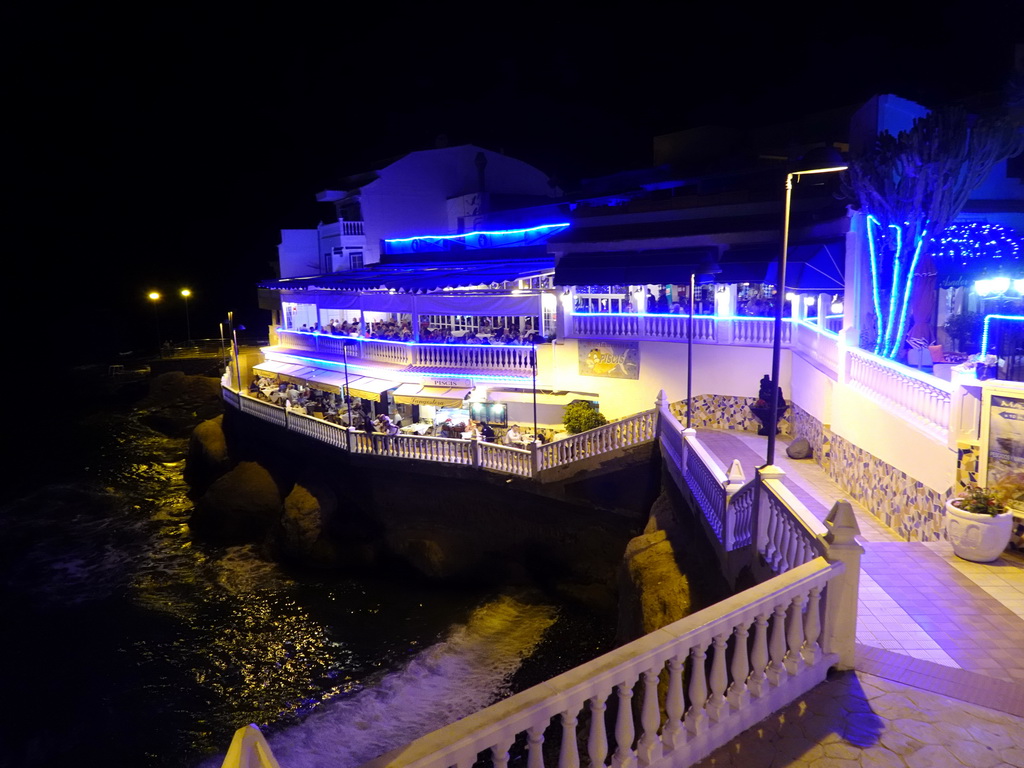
<point x="979" y="538"/>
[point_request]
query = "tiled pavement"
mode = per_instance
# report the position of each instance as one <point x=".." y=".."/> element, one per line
<point x="940" y="665"/>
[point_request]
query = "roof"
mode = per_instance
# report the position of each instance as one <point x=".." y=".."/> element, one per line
<point x="432" y="275"/>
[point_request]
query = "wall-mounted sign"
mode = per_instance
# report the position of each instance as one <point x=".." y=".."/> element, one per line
<point x="618" y="360"/>
<point x="1002" y="435"/>
<point x="447" y="382"/>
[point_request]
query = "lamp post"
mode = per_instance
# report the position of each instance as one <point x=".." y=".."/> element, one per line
<point x="780" y="299"/>
<point x="689" y="355"/>
<point x="234" y="342"/>
<point x="345" y="344"/>
<point x="533" y="366"/>
<point x="154" y="296"/>
<point x="185" y="293"/>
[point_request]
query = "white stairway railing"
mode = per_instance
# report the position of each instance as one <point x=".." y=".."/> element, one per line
<point x="922" y="398"/>
<point x="630" y="431"/>
<point x="821" y="346"/>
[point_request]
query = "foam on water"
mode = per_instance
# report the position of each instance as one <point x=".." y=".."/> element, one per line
<point x="460" y="675"/>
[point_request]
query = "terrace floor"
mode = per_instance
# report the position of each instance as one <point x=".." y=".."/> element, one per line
<point x="939" y="676"/>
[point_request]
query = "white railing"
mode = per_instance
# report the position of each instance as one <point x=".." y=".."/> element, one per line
<point x="758" y="331"/>
<point x="636" y="326"/>
<point x="722" y="669"/>
<point x="789" y="535"/>
<point x="634" y="430"/>
<point x="706" y="482"/>
<point x="923" y="398"/>
<point x="822" y="346"/>
<point x="511" y="358"/>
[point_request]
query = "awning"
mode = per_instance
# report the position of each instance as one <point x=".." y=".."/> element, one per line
<point x="327" y="381"/>
<point x="370" y="389"/>
<point x="415" y="394"/>
<point x="810" y="267"/>
<point x="635" y="267"/>
<point x="297" y="374"/>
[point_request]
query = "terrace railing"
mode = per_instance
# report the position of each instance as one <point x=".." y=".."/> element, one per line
<point x="921" y="398"/>
<point x="634" y="430"/>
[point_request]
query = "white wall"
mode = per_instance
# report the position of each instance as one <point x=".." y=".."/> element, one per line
<point x="717" y="370"/>
<point x="299" y="253"/>
<point x="811" y="390"/>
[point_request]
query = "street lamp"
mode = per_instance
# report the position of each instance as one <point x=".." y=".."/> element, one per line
<point x="185" y="292"/>
<point x="345" y="344"/>
<point x="154" y="296"/>
<point x="780" y="300"/>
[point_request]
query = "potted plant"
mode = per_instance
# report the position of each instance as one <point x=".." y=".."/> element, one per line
<point x="762" y="407"/>
<point x="978" y="524"/>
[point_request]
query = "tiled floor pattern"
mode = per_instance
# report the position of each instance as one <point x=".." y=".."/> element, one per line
<point x="860" y="720"/>
<point x="927" y="619"/>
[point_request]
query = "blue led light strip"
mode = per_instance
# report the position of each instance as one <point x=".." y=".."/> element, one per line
<point x="894" y="293"/>
<point x="389" y="374"/>
<point x="905" y="309"/>
<point x="984" y="328"/>
<point x="472" y="234"/>
<point x="875" y="293"/>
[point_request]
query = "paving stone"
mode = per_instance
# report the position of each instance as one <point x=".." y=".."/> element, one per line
<point x="832" y="762"/>
<point x="990" y="734"/>
<point x="928" y="733"/>
<point x="1012" y="756"/>
<point x="842" y="750"/>
<point x="975" y="755"/>
<point x="900" y="743"/>
<point x="880" y="757"/>
<point x="796" y="750"/>
<point x="932" y="756"/>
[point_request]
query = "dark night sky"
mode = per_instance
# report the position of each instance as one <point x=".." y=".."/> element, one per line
<point x="158" y="147"/>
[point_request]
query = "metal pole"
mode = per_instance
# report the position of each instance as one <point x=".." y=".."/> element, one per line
<point x="534" y="366"/>
<point x="780" y="299"/>
<point x="234" y="342"/>
<point x="689" y="356"/>
<point x="348" y="397"/>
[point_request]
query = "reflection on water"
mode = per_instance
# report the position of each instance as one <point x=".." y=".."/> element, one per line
<point x="132" y="644"/>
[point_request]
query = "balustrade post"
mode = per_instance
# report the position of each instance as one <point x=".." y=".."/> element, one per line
<point x="757" y="682"/>
<point x="841" y="597"/>
<point x="597" y="740"/>
<point x="738" y="694"/>
<point x="736" y="479"/>
<point x="475" y="450"/>
<point x="795" y="636"/>
<point x="649" y="749"/>
<point x="569" y="753"/>
<point x="717" y="704"/>
<point x="499" y="757"/>
<point x="624" y="756"/>
<point x="696" y="718"/>
<point x="777" y="646"/>
<point x="534" y="747"/>
<point x="674" y="735"/>
<point x="812" y="628"/>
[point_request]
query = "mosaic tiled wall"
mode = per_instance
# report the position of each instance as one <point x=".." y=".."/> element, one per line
<point x="726" y="412"/>
<point x="910" y="508"/>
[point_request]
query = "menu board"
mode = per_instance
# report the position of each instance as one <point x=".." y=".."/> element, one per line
<point x="1003" y="439"/>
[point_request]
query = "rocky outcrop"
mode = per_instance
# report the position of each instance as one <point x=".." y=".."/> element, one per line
<point x="177" y="402"/>
<point x="240" y="506"/>
<point x="208" y="456"/>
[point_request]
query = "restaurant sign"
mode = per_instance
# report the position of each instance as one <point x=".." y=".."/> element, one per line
<point x="447" y="382"/>
<point x="1003" y="440"/>
<point x="620" y="360"/>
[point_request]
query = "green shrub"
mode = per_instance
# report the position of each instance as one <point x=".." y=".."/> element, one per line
<point x="581" y="416"/>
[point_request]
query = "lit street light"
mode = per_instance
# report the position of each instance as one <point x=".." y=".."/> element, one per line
<point x="154" y="297"/>
<point x="185" y="292"/>
<point x="780" y="301"/>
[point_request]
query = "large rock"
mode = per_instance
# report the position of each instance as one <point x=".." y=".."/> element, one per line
<point x="303" y="535"/>
<point x="799" y="449"/>
<point x="654" y="591"/>
<point x="240" y="506"/>
<point x="208" y="456"/>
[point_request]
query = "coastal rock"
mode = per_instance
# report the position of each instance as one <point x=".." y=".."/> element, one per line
<point x="208" y="456"/>
<point x="303" y="534"/>
<point x="240" y="506"/>
<point x="653" y="589"/>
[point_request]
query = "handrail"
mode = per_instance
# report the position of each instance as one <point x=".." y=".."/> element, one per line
<point x="702" y="709"/>
<point x="633" y="430"/>
<point x="789" y="534"/>
<point x="925" y="398"/>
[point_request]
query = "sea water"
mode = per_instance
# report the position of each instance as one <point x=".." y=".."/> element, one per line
<point x="128" y="642"/>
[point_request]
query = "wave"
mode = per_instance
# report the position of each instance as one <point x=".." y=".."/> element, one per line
<point x="468" y="670"/>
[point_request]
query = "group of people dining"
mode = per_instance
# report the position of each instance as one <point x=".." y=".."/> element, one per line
<point x="330" y="407"/>
<point x="391" y="330"/>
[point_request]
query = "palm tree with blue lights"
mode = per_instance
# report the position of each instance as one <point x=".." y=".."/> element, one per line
<point x="912" y="186"/>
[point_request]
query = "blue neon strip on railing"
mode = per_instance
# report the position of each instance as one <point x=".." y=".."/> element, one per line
<point x="683" y="316"/>
<point x="377" y="373"/>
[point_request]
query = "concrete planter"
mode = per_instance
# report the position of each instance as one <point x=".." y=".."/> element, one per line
<point x="978" y="538"/>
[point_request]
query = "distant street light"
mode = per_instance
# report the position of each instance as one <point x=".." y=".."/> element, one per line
<point x="185" y="292"/>
<point x="154" y="297"/>
<point x="780" y="300"/>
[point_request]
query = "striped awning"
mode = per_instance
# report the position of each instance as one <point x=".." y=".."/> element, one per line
<point x="370" y="389"/>
<point x="296" y="374"/>
<point x="416" y="394"/>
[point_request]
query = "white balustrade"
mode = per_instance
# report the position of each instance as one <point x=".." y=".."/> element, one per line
<point x="920" y="397"/>
<point x="262" y="410"/>
<point x="818" y="345"/>
<point x="720" y="699"/>
<point x="634" y="430"/>
<point x="318" y="429"/>
<point x="793" y="535"/>
<point x="510" y="358"/>
<point x="707" y="483"/>
<point x="502" y="458"/>
<point x="383" y="351"/>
